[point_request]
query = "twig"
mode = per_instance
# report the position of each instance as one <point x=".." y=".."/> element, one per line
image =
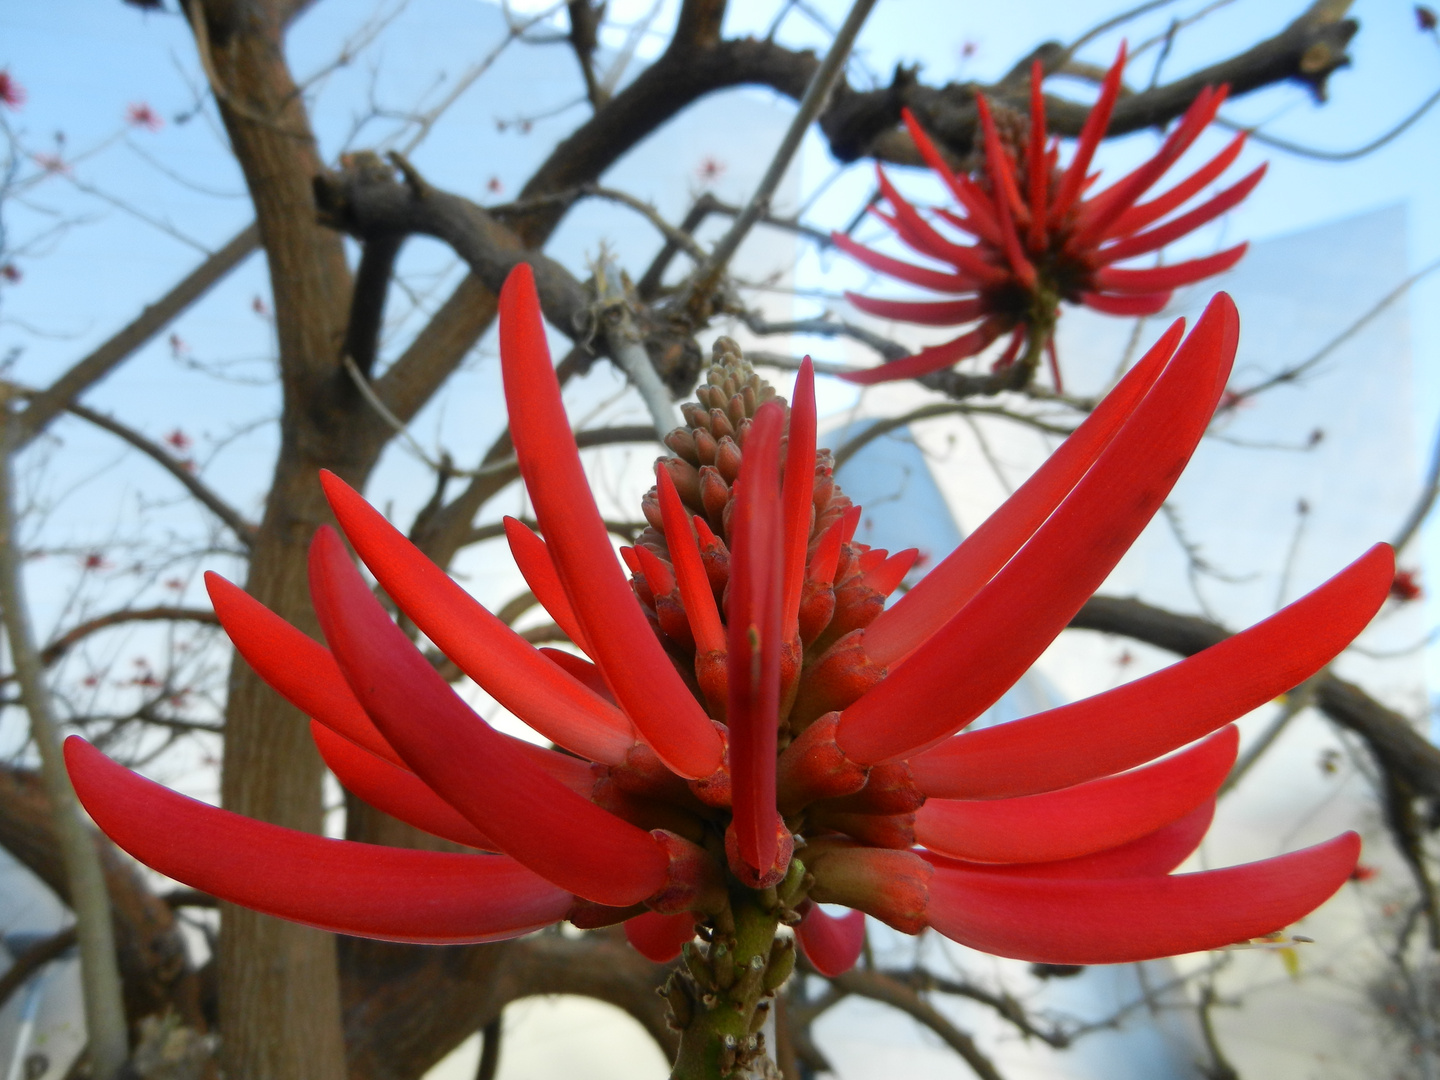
<point x="816" y="94"/>
<point x="46" y="404"/>
<point x="243" y="530"/>
<point x="33" y="959"/>
<point x="1333" y="155"/>
<point x="627" y="347"/>
<point x="165" y="613"/>
<point x="100" y="974"/>
<point x="1424" y="504"/>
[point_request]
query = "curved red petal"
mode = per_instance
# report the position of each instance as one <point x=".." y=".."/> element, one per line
<point x="1127" y="306"/>
<point x="1079" y="820"/>
<point x="532" y="816"/>
<point x="1037" y="167"/>
<point x="934" y="280"/>
<point x="754" y="626"/>
<point x="976" y="656"/>
<point x="941" y="313"/>
<point x="1134" y="723"/>
<point x="1158" y="237"/>
<point x="502" y="662"/>
<point x="695" y="592"/>
<point x="797" y="494"/>
<point x="1137" y="217"/>
<point x="1158" y="278"/>
<point x="935" y="358"/>
<point x="1072" y="183"/>
<point x="1008" y="204"/>
<point x="533" y="558"/>
<point x="660" y="937"/>
<point x="831" y="945"/>
<point x="389" y="893"/>
<point x="634" y="663"/>
<point x="295" y="666"/>
<point x="1159" y="853"/>
<point x="977" y="204"/>
<point x="1087" y="921"/>
<point x="936" y="597"/>
<point x="393" y="790"/>
<point x="1106" y="207"/>
<point x="922" y="238"/>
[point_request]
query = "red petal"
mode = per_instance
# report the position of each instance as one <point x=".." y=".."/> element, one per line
<point x="506" y="665"/>
<point x="982" y="221"/>
<point x="1127" y="306"/>
<point x="1001" y="177"/>
<point x="922" y="238"/>
<point x="1102" y="211"/>
<point x="1154" y="279"/>
<point x="393" y="790"/>
<point x="886" y="577"/>
<point x="533" y="558"/>
<point x="695" y="591"/>
<point x="1080" y="820"/>
<point x="1137" y="217"/>
<point x="1093" y="130"/>
<point x="753" y="621"/>
<point x="1159" y="853"/>
<point x="831" y="945"/>
<point x="1135" y="723"/>
<point x="1079" y="921"/>
<point x="645" y="683"/>
<point x="975" y="657"/>
<point x="660" y="937"/>
<point x="1155" y="239"/>
<point x="943" y="313"/>
<point x="295" y="665"/>
<point x="934" y="280"/>
<point x="1037" y="165"/>
<point x="935" y="358"/>
<point x="531" y="815"/>
<point x="797" y="497"/>
<point x="361" y="889"/>
<point x="950" y="586"/>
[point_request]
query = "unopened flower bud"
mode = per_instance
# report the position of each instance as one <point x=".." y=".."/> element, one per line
<point x="893" y="886"/>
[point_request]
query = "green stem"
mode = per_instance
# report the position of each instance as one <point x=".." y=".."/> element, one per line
<point x="715" y="999"/>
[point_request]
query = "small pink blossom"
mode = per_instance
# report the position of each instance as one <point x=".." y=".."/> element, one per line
<point x="178" y="440"/>
<point x="12" y="94"/>
<point x="11" y="273"/>
<point x="710" y="169"/>
<point x="51" y="163"/>
<point x="141" y="115"/>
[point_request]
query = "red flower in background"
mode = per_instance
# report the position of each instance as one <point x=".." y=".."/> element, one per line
<point x="1406" y="586"/>
<point x="749" y="716"/>
<point x="142" y="115"/>
<point x="1039" y="239"/>
<point x="12" y="94"/>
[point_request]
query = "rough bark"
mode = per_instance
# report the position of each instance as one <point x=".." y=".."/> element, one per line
<point x="279" y="991"/>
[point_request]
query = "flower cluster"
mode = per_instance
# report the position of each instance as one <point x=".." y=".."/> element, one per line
<point x="751" y="731"/>
<point x="1040" y="239"/>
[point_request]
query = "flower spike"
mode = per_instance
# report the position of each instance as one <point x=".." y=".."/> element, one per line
<point x="1042" y="238"/>
<point x="645" y="683"/>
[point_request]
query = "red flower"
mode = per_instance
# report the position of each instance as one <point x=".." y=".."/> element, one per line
<point x="178" y="441"/>
<point x="11" y="273"/>
<point x="747" y="690"/>
<point x="1406" y="586"/>
<point x="141" y="115"/>
<point x="1040" y="240"/>
<point x="12" y="94"/>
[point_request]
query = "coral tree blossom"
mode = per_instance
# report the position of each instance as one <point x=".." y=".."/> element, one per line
<point x="751" y="731"/>
<point x="1039" y="239"/>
